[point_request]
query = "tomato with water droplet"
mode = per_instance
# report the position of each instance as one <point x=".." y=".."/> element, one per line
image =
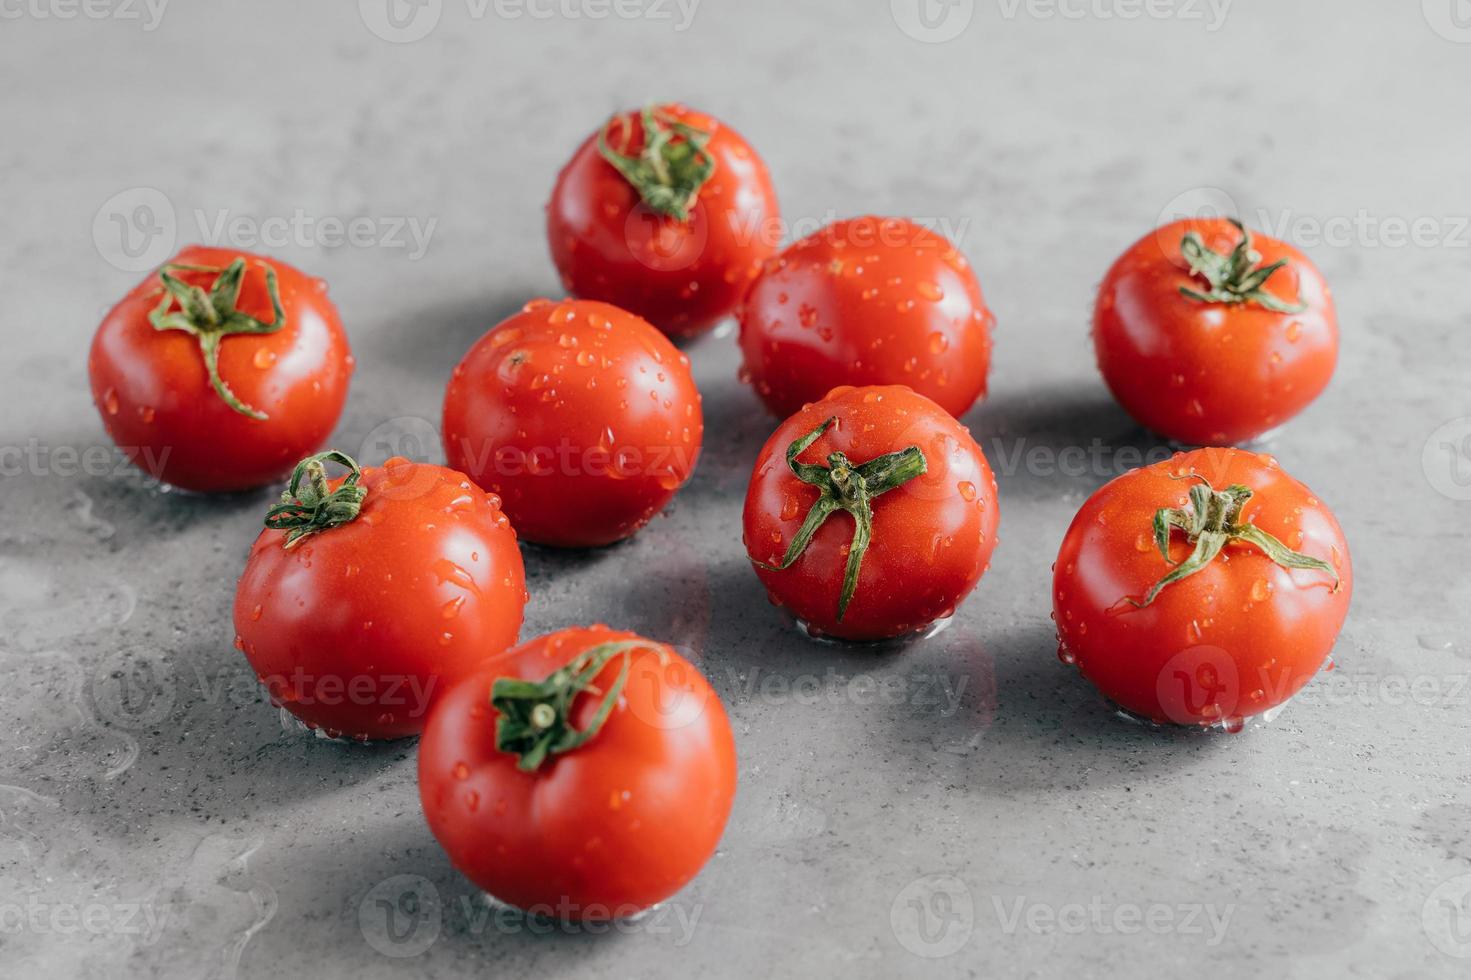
<point x="904" y="508"/>
<point x="867" y="301"/>
<point x="355" y="617"/>
<point x="1223" y="619"/>
<point x="1242" y="354"/>
<point x="550" y="807"/>
<point x="589" y="465"/>
<point x="672" y="229"/>
<point x="280" y="377"/>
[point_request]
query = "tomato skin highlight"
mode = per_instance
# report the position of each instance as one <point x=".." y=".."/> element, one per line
<point x="1236" y="638"/>
<point x="682" y="277"/>
<point x="1208" y="374"/>
<point x="153" y="392"/>
<point x="581" y="416"/>
<point x="602" y="831"/>
<point x="867" y="301"/>
<point x="356" y="629"/>
<point x="932" y="537"/>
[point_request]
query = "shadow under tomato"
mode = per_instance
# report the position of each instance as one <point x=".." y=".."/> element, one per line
<point x="395" y="872"/>
<point x="1053" y="730"/>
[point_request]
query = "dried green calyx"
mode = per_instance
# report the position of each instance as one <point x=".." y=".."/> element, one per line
<point x="1235" y="277"/>
<point x="309" y="504"/>
<point x="672" y="166"/>
<point x="535" y="720"/>
<point x="211" y="316"/>
<point x="1210" y="522"/>
<point x="850" y="488"/>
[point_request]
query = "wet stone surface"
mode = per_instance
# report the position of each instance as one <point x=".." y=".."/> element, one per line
<point x="964" y="806"/>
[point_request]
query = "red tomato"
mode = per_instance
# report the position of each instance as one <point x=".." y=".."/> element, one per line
<point x="585" y="775"/>
<point x="283" y="369"/>
<point x="365" y="596"/>
<point x="583" y="417"/>
<point x="1210" y="335"/>
<point x="1240" y="615"/>
<point x="672" y="228"/>
<point x="920" y="519"/>
<point x="867" y="301"/>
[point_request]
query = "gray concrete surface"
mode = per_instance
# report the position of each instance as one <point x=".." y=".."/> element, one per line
<point x="985" y="817"/>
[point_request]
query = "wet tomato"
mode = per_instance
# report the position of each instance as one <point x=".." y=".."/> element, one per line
<point x="665" y="212"/>
<point x="221" y="370"/>
<point x="584" y="775"/>
<point x="1210" y="335"/>
<point x="1201" y="590"/>
<point x="583" y="417"/>
<point x="871" y="514"/>
<point x="867" y="301"/>
<point x="367" y="595"/>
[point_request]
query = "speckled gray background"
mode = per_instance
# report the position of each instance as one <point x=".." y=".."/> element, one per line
<point x="968" y="807"/>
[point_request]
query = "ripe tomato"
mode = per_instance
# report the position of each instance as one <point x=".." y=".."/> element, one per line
<point x="220" y="348"/>
<point x="920" y="522"/>
<point x="1210" y="335"/>
<point x="583" y="417"/>
<point x="867" y="301"/>
<point x="366" y="595"/>
<point x="1201" y="590"/>
<point x="672" y="228"/>
<point x="584" y="775"/>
